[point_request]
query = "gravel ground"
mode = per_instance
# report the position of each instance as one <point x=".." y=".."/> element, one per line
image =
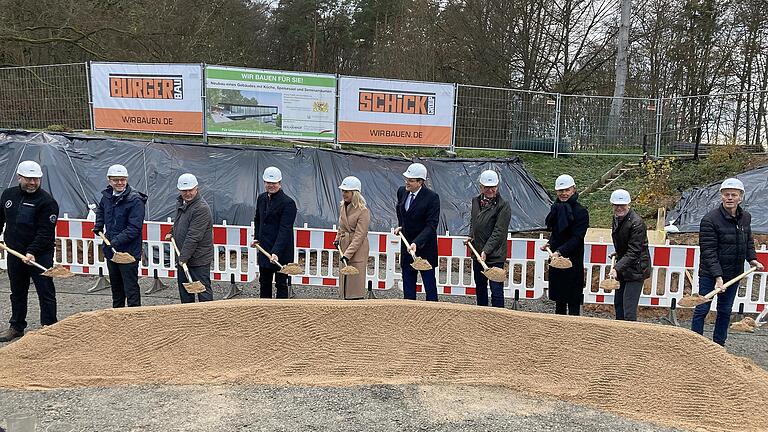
<point x="216" y="408"/>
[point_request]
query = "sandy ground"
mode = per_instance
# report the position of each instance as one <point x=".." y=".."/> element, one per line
<point x="363" y="404"/>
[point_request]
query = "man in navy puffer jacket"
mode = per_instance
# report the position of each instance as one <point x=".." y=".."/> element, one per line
<point x="120" y="216"/>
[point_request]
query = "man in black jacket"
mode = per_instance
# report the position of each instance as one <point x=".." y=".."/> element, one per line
<point x="193" y="233"/>
<point x="29" y="215"/>
<point x="633" y="260"/>
<point x="488" y="227"/>
<point x="418" y="213"/>
<point x="273" y="231"/>
<point x="725" y="243"/>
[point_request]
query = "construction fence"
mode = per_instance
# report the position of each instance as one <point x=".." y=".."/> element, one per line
<point x="59" y="96"/>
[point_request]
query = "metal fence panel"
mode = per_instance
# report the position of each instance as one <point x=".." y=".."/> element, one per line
<point x="587" y="124"/>
<point x="35" y="97"/>
<point x="504" y="119"/>
<point x="732" y="118"/>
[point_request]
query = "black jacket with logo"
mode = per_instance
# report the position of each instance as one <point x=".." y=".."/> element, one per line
<point x="29" y="220"/>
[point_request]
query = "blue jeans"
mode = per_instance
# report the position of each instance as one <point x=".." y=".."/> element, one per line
<point x="409" y="282"/>
<point x="481" y="284"/>
<point x="724" y="308"/>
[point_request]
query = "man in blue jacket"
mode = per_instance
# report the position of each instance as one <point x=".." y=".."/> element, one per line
<point x="273" y="231"/>
<point x="120" y="215"/>
<point x="418" y="213"/>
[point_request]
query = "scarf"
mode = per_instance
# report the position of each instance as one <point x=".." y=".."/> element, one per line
<point x="561" y="215"/>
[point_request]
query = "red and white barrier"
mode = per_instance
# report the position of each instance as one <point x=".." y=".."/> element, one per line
<point x="674" y="268"/>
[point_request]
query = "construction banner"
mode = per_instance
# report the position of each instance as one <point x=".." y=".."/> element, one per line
<point x="272" y="104"/>
<point x="151" y="97"/>
<point x="378" y="111"/>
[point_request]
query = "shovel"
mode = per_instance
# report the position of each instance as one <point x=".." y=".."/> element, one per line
<point x="57" y="271"/>
<point x="418" y="263"/>
<point x="291" y="269"/>
<point x="695" y="299"/>
<point x="118" y="257"/>
<point x="192" y="287"/>
<point x="348" y="269"/>
<point x="610" y="284"/>
<point x="559" y="262"/>
<point x="746" y="325"/>
<point x="492" y="273"/>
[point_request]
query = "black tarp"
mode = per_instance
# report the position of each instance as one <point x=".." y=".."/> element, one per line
<point x="75" y="167"/>
<point x="695" y="203"/>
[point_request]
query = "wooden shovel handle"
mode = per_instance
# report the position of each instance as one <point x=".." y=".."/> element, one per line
<point x="183" y="265"/>
<point x="480" y="260"/>
<point x="714" y="292"/>
<point x="22" y="257"/>
<point x="104" y="238"/>
<point x="550" y="251"/>
<point x="262" y="250"/>
<point x="338" y="248"/>
<point x="407" y="245"/>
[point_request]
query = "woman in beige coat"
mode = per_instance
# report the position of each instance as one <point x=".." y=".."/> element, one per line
<point x="352" y="238"/>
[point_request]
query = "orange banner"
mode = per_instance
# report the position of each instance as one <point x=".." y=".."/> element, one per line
<point x="381" y="133"/>
<point x="148" y="120"/>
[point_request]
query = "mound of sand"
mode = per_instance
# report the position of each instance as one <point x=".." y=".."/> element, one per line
<point x="642" y="371"/>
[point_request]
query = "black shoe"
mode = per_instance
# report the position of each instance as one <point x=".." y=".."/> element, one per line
<point x="10" y="334"/>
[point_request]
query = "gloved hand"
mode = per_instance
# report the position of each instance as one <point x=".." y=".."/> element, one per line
<point x="336" y="243"/>
<point x="96" y="231"/>
<point x="345" y="260"/>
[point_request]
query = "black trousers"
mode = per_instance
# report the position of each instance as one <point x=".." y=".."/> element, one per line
<point x="266" y="276"/>
<point x="201" y="274"/>
<point x="572" y="307"/>
<point x="19" y="275"/>
<point x="124" y="279"/>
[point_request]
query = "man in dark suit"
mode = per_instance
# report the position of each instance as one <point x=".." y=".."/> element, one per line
<point x="418" y="212"/>
<point x="273" y="230"/>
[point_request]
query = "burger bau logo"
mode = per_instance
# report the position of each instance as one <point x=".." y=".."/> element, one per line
<point x="396" y="102"/>
<point x="146" y="86"/>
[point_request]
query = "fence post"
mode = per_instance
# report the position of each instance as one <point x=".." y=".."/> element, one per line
<point x="697" y="144"/>
<point x="90" y="93"/>
<point x="336" y="145"/>
<point x="659" y="109"/>
<point x="452" y="149"/>
<point x="203" y="91"/>
<point x="556" y="148"/>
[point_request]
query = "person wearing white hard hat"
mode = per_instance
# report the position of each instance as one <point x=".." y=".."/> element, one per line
<point x="568" y="222"/>
<point x="726" y="245"/>
<point x="633" y="259"/>
<point x="28" y="223"/>
<point x="418" y="213"/>
<point x="273" y="231"/>
<point x="193" y="233"/>
<point x="120" y="217"/>
<point x="488" y="227"/>
<point x="352" y="237"/>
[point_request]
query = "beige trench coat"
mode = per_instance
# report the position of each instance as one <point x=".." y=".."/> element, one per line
<point x="353" y="240"/>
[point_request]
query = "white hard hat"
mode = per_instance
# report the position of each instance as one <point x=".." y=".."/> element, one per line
<point x="620" y="197"/>
<point x="186" y="182"/>
<point x="117" y="171"/>
<point x="417" y="171"/>
<point x="350" y="183"/>
<point x="564" y="182"/>
<point x="272" y="175"/>
<point x="489" y="178"/>
<point x="732" y="183"/>
<point x="30" y="169"/>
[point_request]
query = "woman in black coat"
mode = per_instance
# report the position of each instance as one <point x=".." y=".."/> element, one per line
<point x="568" y="221"/>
